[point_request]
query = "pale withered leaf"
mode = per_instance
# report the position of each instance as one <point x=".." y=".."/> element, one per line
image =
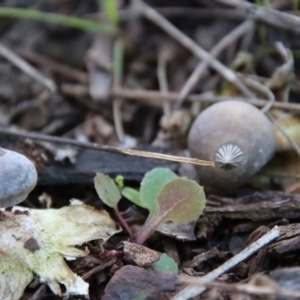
<point x="37" y="241"/>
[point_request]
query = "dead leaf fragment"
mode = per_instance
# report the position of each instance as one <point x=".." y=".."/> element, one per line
<point x="36" y="241"/>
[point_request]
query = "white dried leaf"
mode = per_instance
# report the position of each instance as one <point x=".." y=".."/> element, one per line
<point x="37" y="241"/>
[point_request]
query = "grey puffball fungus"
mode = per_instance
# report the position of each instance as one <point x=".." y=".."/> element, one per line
<point x="18" y="177"/>
<point x="237" y="137"/>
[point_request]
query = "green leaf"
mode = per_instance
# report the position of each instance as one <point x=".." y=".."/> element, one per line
<point x="139" y="296"/>
<point x="107" y="190"/>
<point x="111" y="10"/>
<point x="151" y="184"/>
<point x="132" y="195"/>
<point x="165" y="264"/>
<point x="129" y="193"/>
<point x="181" y="201"/>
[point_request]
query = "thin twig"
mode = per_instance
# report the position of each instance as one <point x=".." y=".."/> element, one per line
<point x="117" y="79"/>
<point x="194" y="289"/>
<point x="26" y="68"/>
<point x="169" y="12"/>
<point x="70" y="21"/>
<point x="262" y="89"/>
<point x="155" y="98"/>
<point x="163" y="81"/>
<point x="54" y="66"/>
<point x="201" y="67"/>
<point x="242" y="11"/>
<point x="285" y="134"/>
<point x="267" y="15"/>
<point x="99" y="268"/>
<point x="243" y="288"/>
<point x="107" y="148"/>
<point x="283" y="75"/>
<point x="183" y="39"/>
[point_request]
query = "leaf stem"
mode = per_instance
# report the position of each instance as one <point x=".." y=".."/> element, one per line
<point x="146" y="231"/>
<point x="123" y="223"/>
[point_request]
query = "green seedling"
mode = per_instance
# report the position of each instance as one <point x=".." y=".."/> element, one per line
<point x="165" y="264"/>
<point x="167" y="197"/>
<point x="151" y="185"/>
<point x="181" y="200"/>
<point x="109" y="193"/>
<point x="129" y="193"/>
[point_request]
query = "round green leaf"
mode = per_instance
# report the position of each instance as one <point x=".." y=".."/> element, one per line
<point x="181" y="200"/>
<point x="107" y="190"/>
<point x="151" y="184"/>
<point x="165" y="264"/>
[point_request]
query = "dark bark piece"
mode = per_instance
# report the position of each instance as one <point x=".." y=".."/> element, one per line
<point x="289" y="240"/>
<point x="208" y="260"/>
<point x="91" y="161"/>
<point x="260" y="263"/>
<point x="261" y="207"/>
<point x="206" y="225"/>
<point x="130" y="281"/>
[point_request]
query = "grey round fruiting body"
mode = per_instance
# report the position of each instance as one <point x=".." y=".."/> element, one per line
<point x="237" y="137"/>
<point x="18" y="177"/>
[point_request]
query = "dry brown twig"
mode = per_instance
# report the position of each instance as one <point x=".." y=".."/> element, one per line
<point x="262" y="89"/>
<point x="270" y="96"/>
<point x="241" y="11"/>
<point x="215" y="51"/>
<point x="163" y="80"/>
<point x="132" y="152"/>
<point x="267" y="15"/>
<point x="117" y="101"/>
<point x="196" y="289"/>
<point x="53" y="65"/>
<point x="184" y="40"/>
<point x="248" y="288"/>
<point x="26" y="68"/>
<point x="156" y="98"/>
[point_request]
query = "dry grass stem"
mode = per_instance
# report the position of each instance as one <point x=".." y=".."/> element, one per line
<point x="70" y="142"/>
<point x="155" y="98"/>
<point x="26" y="68"/>
<point x="267" y="15"/>
<point x="54" y="66"/>
<point x="187" y="42"/>
<point x="228" y="39"/>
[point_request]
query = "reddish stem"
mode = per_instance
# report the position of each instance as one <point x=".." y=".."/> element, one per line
<point x="124" y="223"/>
<point x="146" y="231"/>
